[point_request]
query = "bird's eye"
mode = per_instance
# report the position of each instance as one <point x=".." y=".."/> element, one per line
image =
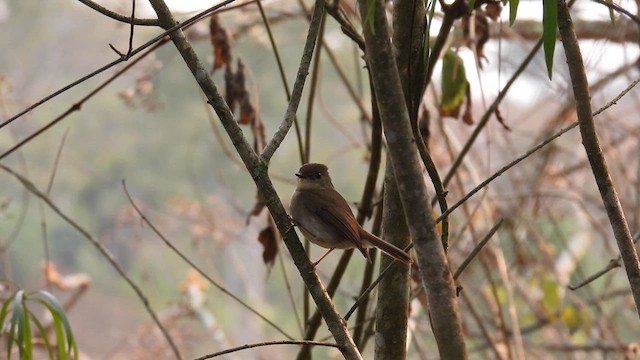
<point x="317" y="176"/>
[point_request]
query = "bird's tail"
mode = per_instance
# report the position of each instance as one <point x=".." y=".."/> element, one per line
<point x="387" y="248"/>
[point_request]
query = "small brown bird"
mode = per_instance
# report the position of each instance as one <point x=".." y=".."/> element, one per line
<point x="325" y="218"/>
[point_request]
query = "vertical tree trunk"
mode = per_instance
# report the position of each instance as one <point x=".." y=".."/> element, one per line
<point x="403" y="152"/>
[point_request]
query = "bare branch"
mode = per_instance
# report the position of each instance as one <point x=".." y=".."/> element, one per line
<point x="298" y="85"/>
<point x="122" y="18"/>
<point x="477" y="249"/>
<point x="591" y="145"/>
<point x="258" y="170"/>
<point x="103" y="251"/>
<point x="268" y="343"/>
<point x="197" y="268"/>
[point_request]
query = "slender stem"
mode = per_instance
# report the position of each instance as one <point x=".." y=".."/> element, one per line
<point x="283" y="77"/>
<point x="436" y="275"/>
<point x="218" y="286"/>
<point x="267" y="343"/>
<point x="257" y="167"/>
<point x="477" y="249"/>
<point x="103" y="250"/>
<point x="591" y="145"/>
<point x="119" y="17"/>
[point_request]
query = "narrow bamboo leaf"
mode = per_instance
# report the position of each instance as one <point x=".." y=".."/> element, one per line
<point x="27" y="338"/>
<point x="472" y="4"/>
<point x="513" y="11"/>
<point x="15" y="331"/>
<point x="43" y="334"/>
<point x="5" y="309"/>
<point x="63" y="328"/>
<point x="549" y="30"/>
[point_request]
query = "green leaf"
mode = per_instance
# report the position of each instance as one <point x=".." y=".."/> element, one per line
<point x="549" y="30"/>
<point x="61" y="324"/>
<point x="27" y="338"/>
<point x="472" y="4"/>
<point x="15" y="331"/>
<point x="5" y="309"/>
<point x="43" y="333"/>
<point x="454" y="84"/>
<point x="513" y="11"/>
<point x="551" y="300"/>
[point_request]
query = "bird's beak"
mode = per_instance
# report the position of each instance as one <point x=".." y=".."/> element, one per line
<point x="299" y="175"/>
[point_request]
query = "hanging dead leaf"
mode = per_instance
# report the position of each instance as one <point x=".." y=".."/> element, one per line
<point x="467" y="117"/>
<point x="220" y="42"/>
<point x="268" y="238"/>
<point x="247" y="112"/>
<point x="501" y="120"/>
<point x="478" y="25"/>
<point x="234" y="88"/>
<point x="237" y="95"/>
<point x="258" y="207"/>
<point x="493" y="10"/>
<point x="65" y="282"/>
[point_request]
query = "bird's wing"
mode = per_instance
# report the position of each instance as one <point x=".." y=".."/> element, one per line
<point x="337" y="215"/>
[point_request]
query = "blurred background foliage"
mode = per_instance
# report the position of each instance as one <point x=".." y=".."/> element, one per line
<point x="153" y="129"/>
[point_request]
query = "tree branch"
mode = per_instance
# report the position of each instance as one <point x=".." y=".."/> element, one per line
<point x="118" y="17"/>
<point x="258" y="171"/>
<point x="591" y="145"/>
<point x="104" y="251"/>
<point x="436" y="275"/>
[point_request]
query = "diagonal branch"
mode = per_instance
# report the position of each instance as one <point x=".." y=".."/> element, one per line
<point x="119" y="17"/>
<point x="591" y="145"/>
<point x="298" y="85"/>
<point x="436" y="275"/>
<point x="104" y="251"/>
<point x="258" y="171"/>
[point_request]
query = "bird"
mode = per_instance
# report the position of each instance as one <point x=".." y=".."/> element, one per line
<point x="325" y="218"/>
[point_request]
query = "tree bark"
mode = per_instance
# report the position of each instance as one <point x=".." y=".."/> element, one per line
<point x="257" y="167"/>
<point x="594" y="152"/>
<point x="436" y="275"/>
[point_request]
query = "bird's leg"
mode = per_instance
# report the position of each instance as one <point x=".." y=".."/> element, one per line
<point x="323" y="256"/>
<point x="293" y="224"/>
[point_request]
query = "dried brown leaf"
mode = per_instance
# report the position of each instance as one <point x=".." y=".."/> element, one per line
<point x="269" y="240"/>
<point x="65" y="282"/>
<point x="493" y="10"/>
<point x="220" y="42"/>
<point x="467" y="117"/>
<point x="258" y="207"/>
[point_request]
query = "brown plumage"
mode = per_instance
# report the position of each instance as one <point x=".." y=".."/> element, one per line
<point x="326" y="219"/>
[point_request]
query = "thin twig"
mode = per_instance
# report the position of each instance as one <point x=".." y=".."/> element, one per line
<point x="531" y="151"/>
<point x="269" y="343"/>
<point x="78" y="105"/>
<point x="613" y="264"/>
<point x="118" y="17"/>
<point x="490" y="111"/>
<point x="476" y="250"/>
<point x="619" y="9"/>
<point x="258" y="170"/>
<point x="298" y="85"/>
<point x="197" y="268"/>
<point x="590" y="142"/>
<point x="283" y="77"/>
<point x="103" y="250"/>
<point x="146" y="45"/>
